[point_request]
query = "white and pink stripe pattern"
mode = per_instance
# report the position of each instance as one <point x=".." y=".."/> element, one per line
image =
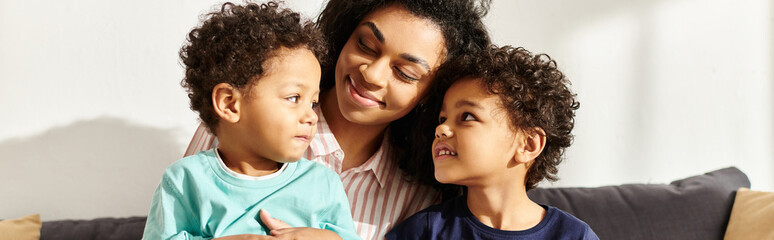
<point x="202" y="140"/>
<point x="379" y="196"/>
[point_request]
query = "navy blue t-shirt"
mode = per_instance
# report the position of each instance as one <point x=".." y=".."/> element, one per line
<point x="453" y="220"/>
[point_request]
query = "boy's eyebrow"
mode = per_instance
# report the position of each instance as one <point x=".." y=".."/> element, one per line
<point x="377" y="33"/>
<point x="463" y="103"/>
<point x="293" y="83"/>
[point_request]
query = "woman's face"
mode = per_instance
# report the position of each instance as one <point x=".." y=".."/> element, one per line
<point x="386" y="65"/>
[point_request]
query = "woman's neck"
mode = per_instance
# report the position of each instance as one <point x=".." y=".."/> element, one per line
<point x="504" y="207"/>
<point x="359" y="142"/>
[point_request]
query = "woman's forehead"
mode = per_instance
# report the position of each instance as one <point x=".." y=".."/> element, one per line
<point x="406" y="33"/>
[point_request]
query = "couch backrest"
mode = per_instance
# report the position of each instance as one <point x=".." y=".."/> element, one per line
<point x="697" y="207"/>
<point x="100" y="228"/>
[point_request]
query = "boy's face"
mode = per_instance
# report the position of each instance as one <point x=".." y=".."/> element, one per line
<point x="277" y="118"/>
<point x="474" y="142"/>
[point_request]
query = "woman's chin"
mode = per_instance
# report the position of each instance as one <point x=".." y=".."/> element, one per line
<point x="364" y="116"/>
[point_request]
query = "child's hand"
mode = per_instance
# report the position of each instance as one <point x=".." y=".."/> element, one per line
<point x="282" y="230"/>
<point x="245" y="237"/>
<point x="271" y="223"/>
<point x="304" y="233"/>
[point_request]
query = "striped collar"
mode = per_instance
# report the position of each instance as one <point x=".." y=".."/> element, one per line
<point x="324" y="143"/>
<point x="378" y="164"/>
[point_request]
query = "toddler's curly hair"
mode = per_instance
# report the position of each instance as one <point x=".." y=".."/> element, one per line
<point x="232" y="44"/>
<point x="533" y="92"/>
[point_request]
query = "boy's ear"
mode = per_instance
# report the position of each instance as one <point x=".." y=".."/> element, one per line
<point x="532" y="144"/>
<point x="225" y="100"/>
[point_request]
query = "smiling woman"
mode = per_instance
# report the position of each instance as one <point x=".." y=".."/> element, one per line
<point x="385" y="54"/>
<point x="384" y="68"/>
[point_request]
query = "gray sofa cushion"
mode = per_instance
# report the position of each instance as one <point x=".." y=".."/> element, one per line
<point x="100" y="228"/>
<point x="697" y="207"/>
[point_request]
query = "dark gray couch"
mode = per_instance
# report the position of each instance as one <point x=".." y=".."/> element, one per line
<point x="697" y="207"/>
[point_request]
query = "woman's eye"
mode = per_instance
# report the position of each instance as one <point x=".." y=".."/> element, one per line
<point x="403" y="75"/>
<point x="364" y="46"/>
<point x="441" y="120"/>
<point x="315" y="105"/>
<point x="468" y="117"/>
<point x="293" y="99"/>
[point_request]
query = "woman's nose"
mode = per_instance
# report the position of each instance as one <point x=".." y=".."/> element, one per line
<point x="374" y="74"/>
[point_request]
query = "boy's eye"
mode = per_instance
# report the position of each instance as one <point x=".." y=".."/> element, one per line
<point x="315" y="105"/>
<point x="293" y="99"/>
<point x="468" y="117"/>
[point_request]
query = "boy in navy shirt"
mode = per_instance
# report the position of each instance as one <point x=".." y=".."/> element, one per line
<point x="502" y="128"/>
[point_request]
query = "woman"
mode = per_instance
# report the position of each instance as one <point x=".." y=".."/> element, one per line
<point x="385" y="54"/>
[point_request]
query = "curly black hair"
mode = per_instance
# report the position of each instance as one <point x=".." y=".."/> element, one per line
<point x="232" y="44"/>
<point x="533" y="92"/>
<point x="463" y="32"/>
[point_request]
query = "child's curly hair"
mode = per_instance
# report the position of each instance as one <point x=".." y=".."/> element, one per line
<point x="533" y="92"/>
<point x="232" y="44"/>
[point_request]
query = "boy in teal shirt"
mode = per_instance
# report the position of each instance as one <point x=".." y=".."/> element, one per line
<point x="252" y="74"/>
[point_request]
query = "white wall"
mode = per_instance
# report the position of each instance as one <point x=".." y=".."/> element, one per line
<point x="91" y="110"/>
<point x="668" y="89"/>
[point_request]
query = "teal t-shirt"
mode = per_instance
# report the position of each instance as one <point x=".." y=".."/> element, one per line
<point x="199" y="199"/>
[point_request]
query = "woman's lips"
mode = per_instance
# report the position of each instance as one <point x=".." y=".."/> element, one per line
<point x="361" y="98"/>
